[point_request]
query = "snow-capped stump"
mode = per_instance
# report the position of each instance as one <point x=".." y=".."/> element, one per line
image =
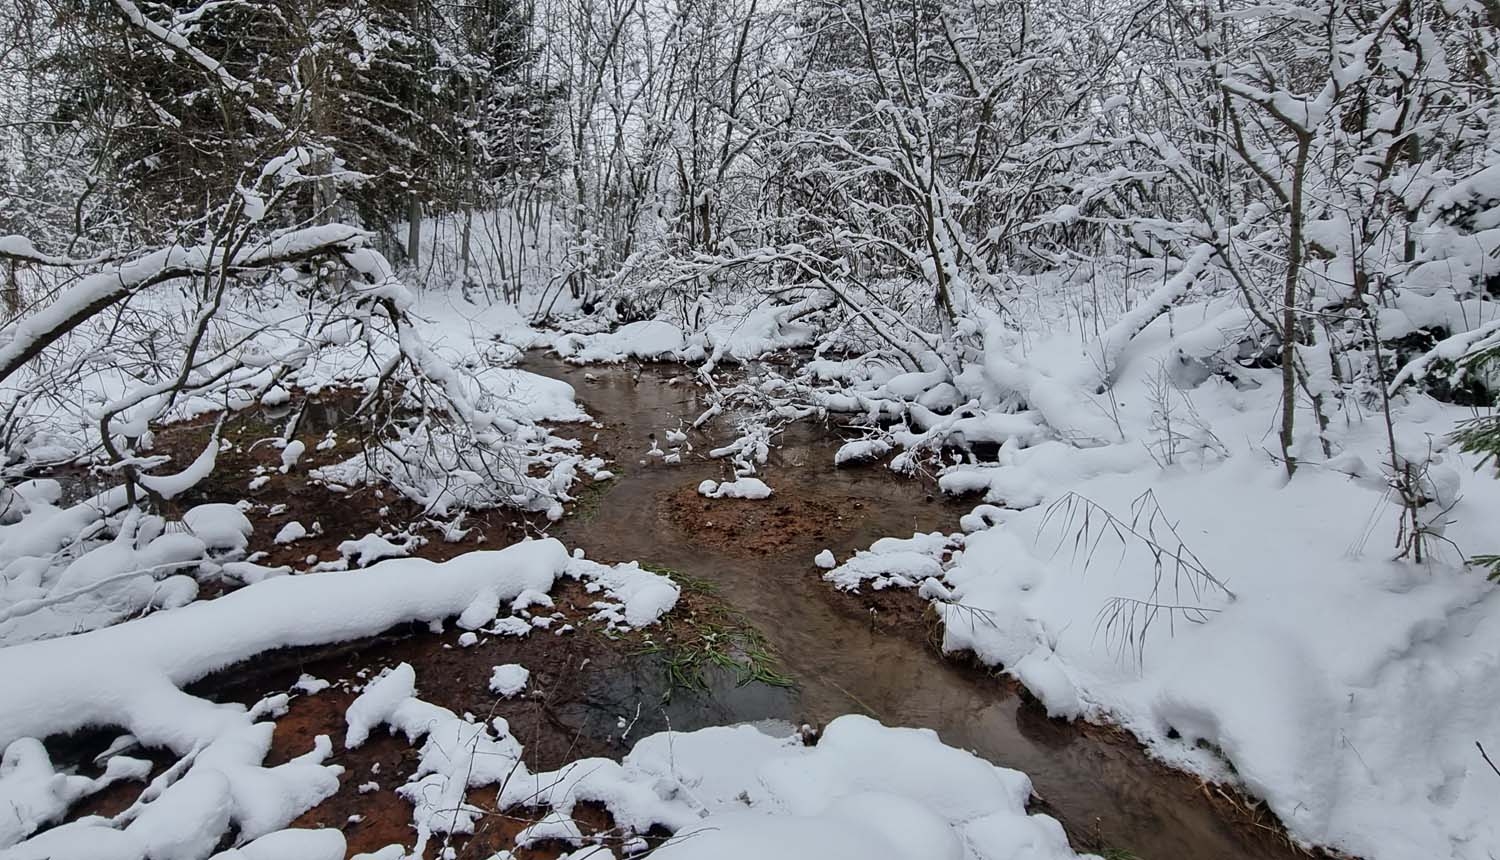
<point x="275" y="396"/>
<point x="291" y="533"/>
<point x="509" y="680"/>
<point x="221" y="527"/>
<point x="291" y="454"/>
<point x="741" y="488"/>
<point x="826" y="560"/>
<point x="861" y="451"/>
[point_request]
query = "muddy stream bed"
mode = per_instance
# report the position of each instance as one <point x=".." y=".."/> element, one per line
<point x="871" y="653"/>
<point x="749" y="580"/>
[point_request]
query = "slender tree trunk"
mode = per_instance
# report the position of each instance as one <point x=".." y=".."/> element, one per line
<point x="467" y="238"/>
<point x="1289" y="307"/>
<point x="11" y="295"/>
<point x="414" y="231"/>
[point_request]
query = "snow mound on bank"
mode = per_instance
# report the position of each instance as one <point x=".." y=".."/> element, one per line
<point x="1345" y="690"/>
<point x="646" y="340"/>
<point x="743" y="488"/>
<point x="863" y="791"/>
<point x="737" y="332"/>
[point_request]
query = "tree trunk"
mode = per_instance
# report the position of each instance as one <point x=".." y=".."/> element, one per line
<point x="1289" y="307"/>
<point x="414" y="231"/>
<point x="12" y="293"/>
<point x="467" y="239"/>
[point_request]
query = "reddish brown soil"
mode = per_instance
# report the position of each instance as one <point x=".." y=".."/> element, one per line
<point x="562" y="667"/>
<point x="748" y="528"/>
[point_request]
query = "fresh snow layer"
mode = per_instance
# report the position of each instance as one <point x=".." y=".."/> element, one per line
<point x="1346" y="690"/>
<point x="863" y="791"/>
<point x="742" y="488"/>
<point x="130" y="677"/>
<point x="735" y="333"/>
<point x="509" y="680"/>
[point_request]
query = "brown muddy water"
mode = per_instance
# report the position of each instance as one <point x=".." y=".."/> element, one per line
<point x="863" y="654"/>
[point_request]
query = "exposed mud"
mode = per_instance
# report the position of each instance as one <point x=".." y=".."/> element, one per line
<point x="749" y="528"/>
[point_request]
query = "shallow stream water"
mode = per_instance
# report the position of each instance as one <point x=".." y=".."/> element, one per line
<point x="1102" y="786"/>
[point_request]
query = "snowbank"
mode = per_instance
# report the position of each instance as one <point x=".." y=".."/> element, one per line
<point x="130" y="677"/>
<point x="1141" y="560"/>
<point x="1346" y="690"/>
<point x="863" y="791"/>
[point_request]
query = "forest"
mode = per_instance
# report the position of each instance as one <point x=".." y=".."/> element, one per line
<point x="815" y="429"/>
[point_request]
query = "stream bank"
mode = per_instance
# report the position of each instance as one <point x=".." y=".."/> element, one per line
<point x="870" y="653"/>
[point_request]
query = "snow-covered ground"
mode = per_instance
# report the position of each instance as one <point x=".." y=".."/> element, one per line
<point x="129" y="678"/>
<point x="1165" y="575"/>
<point x="863" y="791"/>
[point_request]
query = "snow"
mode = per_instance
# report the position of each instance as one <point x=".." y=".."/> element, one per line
<point x="553" y="826"/>
<point x="290" y="844"/>
<point x="649" y="339"/>
<point x="742" y="488"/>
<point x="864" y="790"/>
<point x="172" y="486"/>
<point x="509" y="680"/>
<point x="640" y="596"/>
<point x="32" y="793"/>
<point x="220" y="526"/>
<point x="826" y="560"/>
<point x="372" y="548"/>
<point x="291" y="454"/>
<point x="1307" y="688"/>
<point x="130" y="677"/>
<point x="290" y="533"/>
<point x="861" y="450"/>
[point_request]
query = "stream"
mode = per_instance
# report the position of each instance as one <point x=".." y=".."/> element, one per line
<point x="1101" y="785"/>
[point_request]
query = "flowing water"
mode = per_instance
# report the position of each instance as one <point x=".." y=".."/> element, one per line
<point x="1103" y="787"/>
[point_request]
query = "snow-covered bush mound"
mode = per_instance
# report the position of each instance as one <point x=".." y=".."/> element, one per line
<point x="433" y="373"/>
<point x="863" y="791"/>
<point x="736" y="332"/>
<point x="130" y="677"/>
<point x="69" y="568"/>
<point x="740" y="488"/>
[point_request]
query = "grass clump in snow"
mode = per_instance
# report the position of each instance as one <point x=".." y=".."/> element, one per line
<point x="705" y="632"/>
<point x="588" y="500"/>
